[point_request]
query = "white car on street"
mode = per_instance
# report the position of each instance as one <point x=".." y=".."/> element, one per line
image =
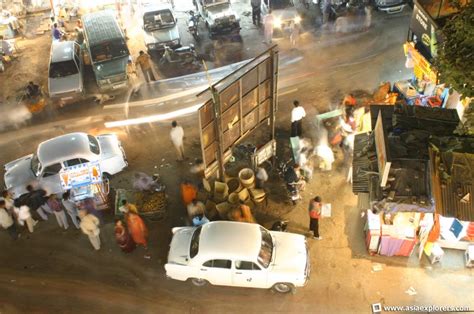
<point x="42" y="169"/>
<point x="238" y="254"/>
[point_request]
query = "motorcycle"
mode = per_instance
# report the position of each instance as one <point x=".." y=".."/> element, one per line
<point x="293" y="188"/>
<point x="193" y="24"/>
<point x="183" y="56"/>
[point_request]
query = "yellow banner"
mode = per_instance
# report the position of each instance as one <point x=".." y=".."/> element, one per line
<point x="422" y="66"/>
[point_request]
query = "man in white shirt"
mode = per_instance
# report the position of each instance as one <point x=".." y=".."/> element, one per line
<point x="177" y="135"/>
<point x="297" y="115"/>
<point x="6" y="221"/>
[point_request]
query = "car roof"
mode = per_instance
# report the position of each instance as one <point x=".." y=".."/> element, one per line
<point x="62" y="51"/>
<point x="65" y="147"/>
<point x="230" y="239"/>
<point x="101" y="26"/>
<point x="152" y="7"/>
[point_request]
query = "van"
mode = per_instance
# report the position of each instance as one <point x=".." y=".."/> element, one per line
<point x="160" y="27"/>
<point x="65" y="74"/>
<point x="108" y="51"/>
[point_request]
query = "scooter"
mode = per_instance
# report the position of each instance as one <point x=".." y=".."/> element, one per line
<point x="193" y="24"/>
<point x="183" y="56"/>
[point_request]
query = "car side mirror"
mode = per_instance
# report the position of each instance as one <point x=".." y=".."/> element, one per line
<point x="176" y="20"/>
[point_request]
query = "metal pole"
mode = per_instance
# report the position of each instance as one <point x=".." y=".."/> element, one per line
<point x="217" y="124"/>
<point x="273" y="103"/>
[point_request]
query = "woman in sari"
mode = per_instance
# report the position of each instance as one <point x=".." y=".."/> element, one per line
<point x="123" y="238"/>
<point x="137" y="229"/>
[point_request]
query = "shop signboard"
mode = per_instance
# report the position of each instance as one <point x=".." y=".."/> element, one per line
<point x="421" y="66"/>
<point x="381" y="149"/>
<point x="80" y="175"/>
<point x="425" y="29"/>
<point x="239" y="104"/>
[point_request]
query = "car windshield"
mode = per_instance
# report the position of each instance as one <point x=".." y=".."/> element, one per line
<point x="93" y="144"/>
<point x="158" y="20"/>
<point x="266" y="249"/>
<point x="62" y="69"/>
<point x="194" y="247"/>
<point x="35" y="165"/>
<point x="109" y="50"/>
<point x="279" y="4"/>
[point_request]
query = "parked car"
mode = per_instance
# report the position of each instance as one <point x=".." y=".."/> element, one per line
<point x="65" y="74"/>
<point x="390" y="6"/>
<point x="107" y="49"/>
<point x="42" y="169"/>
<point x="284" y="13"/>
<point x="160" y="27"/>
<point x="219" y="16"/>
<point x="238" y="254"/>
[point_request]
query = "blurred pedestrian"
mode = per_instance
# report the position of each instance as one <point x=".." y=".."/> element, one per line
<point x="295" y="34"/>
<point x="24" y="216"/>
<point x="7" y="222"/>
<point x="315" y="207"/>
<point x="256" y="11"/>
<point x="9" y="202"/>
<point x="297" y="115"/>
<point x="177" y="137"/>
<point x="71" y="208"/>
<point x="137" y="228"/>
<point x="90" y="227"/>
<point x="144" y="60"/>
<point x="123" y="238"/>
<point x="132" y="79"/>
<point x="35" y="200"/>
<point x="268" y="25"/>
<point x="262" y="177"/>
<point x="58" y="211"/>
<point x="195" y="208"/>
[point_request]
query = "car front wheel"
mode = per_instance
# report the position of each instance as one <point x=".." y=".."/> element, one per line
<point x="199" y="282"/>
<point x="283" y="287"/>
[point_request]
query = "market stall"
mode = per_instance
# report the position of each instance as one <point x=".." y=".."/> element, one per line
<point x="85" y="181"/>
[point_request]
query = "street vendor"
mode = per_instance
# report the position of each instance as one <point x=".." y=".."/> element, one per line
<point x="128" y="207"/>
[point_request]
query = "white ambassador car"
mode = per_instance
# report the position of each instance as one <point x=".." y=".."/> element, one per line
<point x="238" y="254"/>
<point x="42" y="169"/>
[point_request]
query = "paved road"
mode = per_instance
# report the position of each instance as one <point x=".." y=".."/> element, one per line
<point x="52" y="270"/>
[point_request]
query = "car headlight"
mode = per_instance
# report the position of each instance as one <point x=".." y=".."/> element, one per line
<point x="175" y="42"/>
<point x="151" y="46"/>
<point x="277" y="22"/>
<point x="297" y="19"/>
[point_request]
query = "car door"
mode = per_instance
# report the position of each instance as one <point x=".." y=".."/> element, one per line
<point x="249" y="274"/>
<point x="50" y="180"/>
<point x="79" y="62"/>
<point x="217" y="272"/>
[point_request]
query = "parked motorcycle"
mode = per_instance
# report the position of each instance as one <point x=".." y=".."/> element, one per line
<point x="193" y="24"/>
<point x="183" y="56"/>
<point x="292" y="187"/>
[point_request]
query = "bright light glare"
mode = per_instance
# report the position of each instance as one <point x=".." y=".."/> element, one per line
<point x="154" y="118"/>
<point x="277" y="22"/>
<point x="297" y="19"/>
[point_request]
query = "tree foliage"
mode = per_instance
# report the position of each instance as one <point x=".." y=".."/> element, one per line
<point x="455" y="60"/>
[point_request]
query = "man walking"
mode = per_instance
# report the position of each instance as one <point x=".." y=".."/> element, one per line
<point x="297" y="115"/>
<point x="58" y="211"/>
<point x="90" y="227"/>
<point x="71" y="209"/>
<point x="35" y="200"/>
<point x="177" y="136"/>
<point x="6" y="221"/>
<point x="144" y="61"/>
<point x="24" y="216"/>
<point x="256" y="11"/>
<point x="315" y="206"/>
<point x="268" y="25"/>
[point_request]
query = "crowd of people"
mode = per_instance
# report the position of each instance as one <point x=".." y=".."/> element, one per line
<point x="17" y="214"/>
